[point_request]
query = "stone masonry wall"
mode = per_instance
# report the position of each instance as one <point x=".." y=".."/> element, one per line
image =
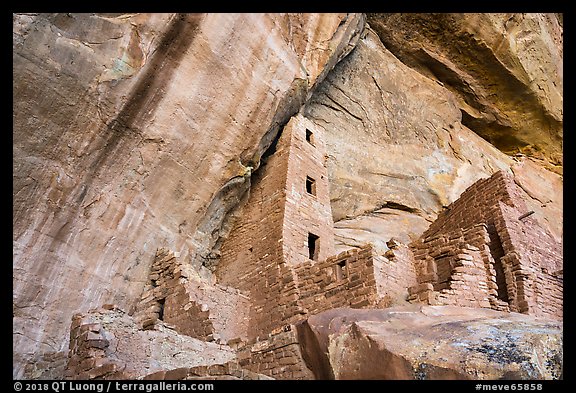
<point x="534" y="265"/>
<point x="226" y="371"/>
<point x="87" y="358"/>
<point x="271" y="235"/>
<point x="356" y="278"/>
<point x="304" y="212"/>
<point x="176" y="295"/>
<point x="456" y="268"/>
<point x="344" y="280"/>
<point x="523" y="261"/>
<point x="107" y="343"/>
<point x="252" y="255"/>
<point x="277" y="355"/>
<point x="478" y="204"/>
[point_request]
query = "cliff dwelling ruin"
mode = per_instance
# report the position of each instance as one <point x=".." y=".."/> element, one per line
<point x="278" y="266"/>
<point x="287" y="196"/>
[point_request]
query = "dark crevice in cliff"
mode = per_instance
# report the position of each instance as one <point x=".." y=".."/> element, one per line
<point x="380" y="210"/>
<point x="271" y="149"/>
<point x="399" y="206"/>
<point x="227" y="202"/>
<point x="500" y="136"/>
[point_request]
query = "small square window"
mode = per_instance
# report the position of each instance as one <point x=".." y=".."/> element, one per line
<point x="309" y="137"/>
<point x="340" y="270"/>
<point x="310" y="185"/>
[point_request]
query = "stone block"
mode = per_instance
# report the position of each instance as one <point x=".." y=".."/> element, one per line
<point x="102" y="370"/>
<point x="158" y="375"/>
<point x="176" y="374"/>
<point x="420" y="288"/>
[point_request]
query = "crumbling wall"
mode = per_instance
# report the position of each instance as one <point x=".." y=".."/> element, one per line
<point x="477" y="205"/>
<point x="456" y="268"/>
<point x="107" y="343"/>
<point x="277" y="354"/>
<point x="176" y="295"/>
<point x="226" y="371"/>
<point x="522" y="260"/>
<point x="88" y="357"/>
<point x="534" y="264"/>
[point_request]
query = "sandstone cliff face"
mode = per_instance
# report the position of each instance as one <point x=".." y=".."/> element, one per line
<point x="138" y="131"/>
<point x="505" y="70"/>
<point x="132" y="131"/>
<point x="432" y="342"/>
<point x="399" y="149"/>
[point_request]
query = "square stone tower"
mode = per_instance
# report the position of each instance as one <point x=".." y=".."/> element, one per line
<point x="285" y="221"/>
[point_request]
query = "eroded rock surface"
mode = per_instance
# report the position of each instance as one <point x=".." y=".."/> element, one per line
<point x="432" y="342"/>
<point x="133" y="131"/>
<point x="400" y="150"/>
<point x="506" y="71"/>
<point x="410" y="154"/>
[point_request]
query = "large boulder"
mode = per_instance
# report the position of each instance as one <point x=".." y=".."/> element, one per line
<point x="431" y="342"/>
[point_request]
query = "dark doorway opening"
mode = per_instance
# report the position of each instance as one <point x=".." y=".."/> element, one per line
<point x="443" y="272"/>
<point x="497" y="252"/>
<point x="340" y="270"/>
<point x="309" y="137"/>
<point x="313" y="246"/>
<point x="161" y="311"/>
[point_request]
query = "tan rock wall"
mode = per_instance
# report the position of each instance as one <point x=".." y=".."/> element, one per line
<point x="505" y="70"/>
<point x="134" y="131"/>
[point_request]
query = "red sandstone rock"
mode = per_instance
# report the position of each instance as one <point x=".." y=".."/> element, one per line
<point x="431" y="342"/>
<point x="144" y="144"/>
<point x="137" y="131"/>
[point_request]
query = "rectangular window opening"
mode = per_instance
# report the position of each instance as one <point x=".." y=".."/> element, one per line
<point x="313" y="246"/>
<point x="309" y="137"/>
<point x="161" y="312"/>
<point x="310" y="185"/>
<point x="340" y="270"/>
<point x="443" y="272"/>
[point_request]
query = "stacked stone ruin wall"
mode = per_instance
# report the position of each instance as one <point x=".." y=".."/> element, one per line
<point x="305" y="212"/>
<point x="88" y="357"/>
<point x="271" y="234"/>
<point x="477" y="204"/>
<point x="466" y="256"/>
<point x="225" y="371"/>
<point x="530" y="257"/>
<point x="277" y="355"/>
<point x="344" y="280"/>
<point x="195" y="308"/>
<point x="534" y="266"/>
